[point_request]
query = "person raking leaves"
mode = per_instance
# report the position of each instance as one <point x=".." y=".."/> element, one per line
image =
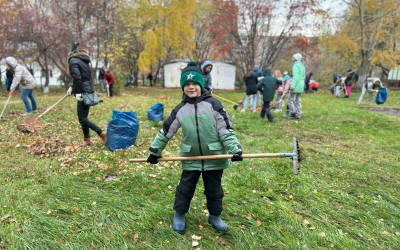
<point x="207" y="130"/>
<point x="22" y="77"/>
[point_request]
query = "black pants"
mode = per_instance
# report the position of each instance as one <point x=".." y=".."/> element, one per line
<point x="83" y="112"/>
<point x="212" y="189"/>
<point x="266" y="110"/>
<point x="111" y="89"/>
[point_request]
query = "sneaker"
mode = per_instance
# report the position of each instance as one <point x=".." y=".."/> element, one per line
<point x="27" y="113"/>
<point x="35" y="111"/>
<point x="294" y="118"/>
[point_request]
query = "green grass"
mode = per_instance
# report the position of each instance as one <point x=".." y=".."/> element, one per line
<point x="346" y="195"/>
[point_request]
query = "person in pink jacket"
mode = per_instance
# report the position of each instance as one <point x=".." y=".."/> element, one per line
<point x="287" y="82"/>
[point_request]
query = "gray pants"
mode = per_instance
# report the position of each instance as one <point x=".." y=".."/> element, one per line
<point x="278" y="102"/>
<point x="294" y="102"/>
<point x="363" y="92"/>
<point x="102" y="85"/>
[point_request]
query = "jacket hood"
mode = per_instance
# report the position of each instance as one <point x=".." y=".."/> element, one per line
<point x="11" y="61"/>
<point x="81" y="54"/>
<point x="206" y="63"/>
<point x="204" y="95"/>
<point x="267" y="72"/>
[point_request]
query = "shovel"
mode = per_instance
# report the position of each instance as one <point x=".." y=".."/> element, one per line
<point x="34" y="120"/>
<point x="5" y="105"/>
<point x="295" y="155"/>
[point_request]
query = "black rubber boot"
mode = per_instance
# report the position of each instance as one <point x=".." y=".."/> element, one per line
<point x="178" y="224"/>
<point x="218" y="224"/>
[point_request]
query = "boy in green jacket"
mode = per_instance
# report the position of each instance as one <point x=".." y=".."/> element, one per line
<point x="207" y="130"/>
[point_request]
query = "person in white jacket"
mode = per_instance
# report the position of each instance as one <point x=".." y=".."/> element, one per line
<point x="371" y="85"/>
<point x="27" y="82"/>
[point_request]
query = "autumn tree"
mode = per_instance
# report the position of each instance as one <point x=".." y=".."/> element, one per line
<point x="169" y="32"/>
<point x="368" y="37"/>
<point x="255" y="32"/>
<point x="202" y="22"/>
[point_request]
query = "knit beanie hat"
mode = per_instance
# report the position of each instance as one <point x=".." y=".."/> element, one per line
<point x="298" y="56"/>
<point x="192" y="73"/>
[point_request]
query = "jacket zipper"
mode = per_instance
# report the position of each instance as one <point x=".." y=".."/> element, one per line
<point x="198" y="134"/>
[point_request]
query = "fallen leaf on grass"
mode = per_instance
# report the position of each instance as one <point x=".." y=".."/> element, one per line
<point x="258" y="223"/>
<point x="200" y="227"/>
<point x="360" y="235"/>
<point x="135" y="235"/>
<point x="195" y="243"/>
<point x="195" y="237"/>
<point x="386" y="233"/>
<point x="322" y="234"/>
<point x="397" y="233"/>
<point x="75" y="209"/>
<point x="242" y="227"/>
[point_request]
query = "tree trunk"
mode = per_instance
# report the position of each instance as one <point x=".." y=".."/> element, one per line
<point x="364" y="69"/>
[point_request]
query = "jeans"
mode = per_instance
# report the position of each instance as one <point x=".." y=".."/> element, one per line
<point x="8" y="84"/>
<point x="212" y="189"/>
<point x="266" y="110"/>
<point x="83" y="112"/>
<point x="337" y="92"/>
<point x="25" y="93"/>
<point x="254" y="101"/>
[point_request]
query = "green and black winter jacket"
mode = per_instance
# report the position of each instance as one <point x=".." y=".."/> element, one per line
<point x="206" y="128"/>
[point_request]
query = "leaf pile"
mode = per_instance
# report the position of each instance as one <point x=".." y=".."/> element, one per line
<point x="26" y="128"/>
<point x="47" y="147"/>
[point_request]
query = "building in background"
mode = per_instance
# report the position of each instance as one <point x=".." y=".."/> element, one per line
<point x="223" y="74"/>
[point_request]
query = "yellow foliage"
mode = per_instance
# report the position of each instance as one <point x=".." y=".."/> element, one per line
<point x="171" y="31"/>
<point x="380" y="22"/>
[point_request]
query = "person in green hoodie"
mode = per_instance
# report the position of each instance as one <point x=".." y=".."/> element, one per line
<point x="207" y="130"/>
<point x="268" y="87"/>
<point x="297" y="87"/>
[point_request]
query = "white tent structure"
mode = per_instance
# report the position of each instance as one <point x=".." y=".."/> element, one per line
<point x="223" y="75"/>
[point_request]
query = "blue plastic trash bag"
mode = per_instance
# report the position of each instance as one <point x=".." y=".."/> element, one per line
<point x="381" y="96"/>
<point x="122" y="130"/>
<point x="156" y="112"/>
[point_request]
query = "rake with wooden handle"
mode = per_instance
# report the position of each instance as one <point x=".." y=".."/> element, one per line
<point x="34" y="120"/>
<point x="295" y="155"/>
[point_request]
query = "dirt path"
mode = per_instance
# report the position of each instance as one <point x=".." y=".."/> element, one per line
<point x="394" y="111"/>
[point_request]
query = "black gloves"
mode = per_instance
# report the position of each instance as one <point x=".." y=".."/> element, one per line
<point x="237" y="156"/>
<point x="153" y="159"/>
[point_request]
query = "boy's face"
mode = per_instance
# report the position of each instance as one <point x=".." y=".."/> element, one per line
<point x="192" y="89"/>
<point x="208" y="68"/>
